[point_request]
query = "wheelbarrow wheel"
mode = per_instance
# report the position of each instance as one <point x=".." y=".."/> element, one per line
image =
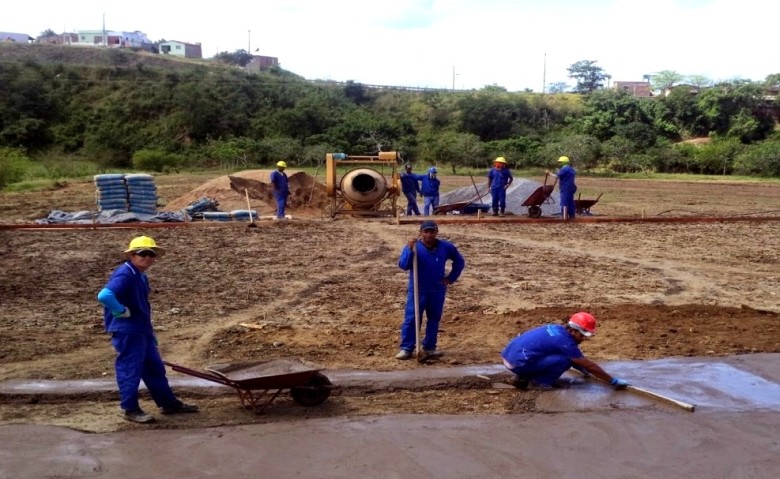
<point x="535" y="211"/>
<point x="314" y="392"/>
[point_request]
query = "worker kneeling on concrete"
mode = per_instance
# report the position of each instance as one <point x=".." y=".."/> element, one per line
<point x="541" y="355"/>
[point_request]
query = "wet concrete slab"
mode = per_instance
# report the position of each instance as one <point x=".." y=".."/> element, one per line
<point x="594" y="432"/>
<point x="737" y="383"/>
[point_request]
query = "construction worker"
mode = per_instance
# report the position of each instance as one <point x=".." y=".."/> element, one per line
<point x="410" y="186"/>
<point x="432" y="256"/>
<point x="541" y="355"/>
<point x="281" y="188"/>
<point x="499" y="179"/>
<point x="566" y="175"/>
<point x="127" y="316"/>
<point x="430" y="191"/>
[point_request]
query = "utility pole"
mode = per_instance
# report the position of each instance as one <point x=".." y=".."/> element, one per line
<point x="544" y="75"/>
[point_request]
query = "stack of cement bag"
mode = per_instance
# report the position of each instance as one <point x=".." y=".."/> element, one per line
<point x="141" y="193"/>
<point x="111" y="192"/>
<point x="134" y="193"/>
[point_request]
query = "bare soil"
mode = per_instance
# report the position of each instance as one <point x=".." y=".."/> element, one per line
<point x="330" y="291"/>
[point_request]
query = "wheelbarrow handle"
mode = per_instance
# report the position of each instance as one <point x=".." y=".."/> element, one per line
<point x="200" y="374"/>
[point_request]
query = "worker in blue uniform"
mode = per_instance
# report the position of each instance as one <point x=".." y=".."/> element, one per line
<point x="566" y="175"/>
<point x="281" y="188"/>
<point x="432" y="256"/>
<point x="410" y="186"/>
<point x="430" y="191"/>
<point x="127" y="317"/>
<point x="541" y="355"/>
<point x="499" y="179"/>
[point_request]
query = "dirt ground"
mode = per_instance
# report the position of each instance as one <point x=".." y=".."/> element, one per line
<point x="330" y="291"/>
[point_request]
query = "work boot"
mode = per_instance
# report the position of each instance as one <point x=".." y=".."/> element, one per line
<point x="403" y="354"/>
<point x="519" y="382"/>
<point x="179" y="407"/>
<point x="495" y="213"/>
<point x="501" y="213"/>
<point x="139" y="416"/>
<point x="432" y="353"/>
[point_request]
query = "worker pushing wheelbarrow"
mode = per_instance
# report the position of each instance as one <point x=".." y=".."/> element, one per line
<point x="540" y="196"/>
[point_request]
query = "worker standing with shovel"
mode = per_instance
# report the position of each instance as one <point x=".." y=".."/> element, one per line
<point x="427" y="288"/>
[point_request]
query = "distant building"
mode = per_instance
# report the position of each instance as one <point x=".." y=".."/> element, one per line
<point x="181" y="49"/>
<point x="635" y="88"/>
<point x="15" y="37"/>
<point x="113" y="38"/>
<point x="64" y="38"/>
<point x="692" y="89"/>
<point x="259" y="62"/>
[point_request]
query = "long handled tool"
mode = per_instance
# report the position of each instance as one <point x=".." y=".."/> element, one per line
<point x="660" y="397"/>
<point x="416" y="288"/>
<point x="651" y="394"/>
<point x="249" y="208"/>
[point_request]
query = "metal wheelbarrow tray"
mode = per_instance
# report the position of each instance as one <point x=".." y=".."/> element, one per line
<point x="258" y="383"/>
<point x="538" y="197"/>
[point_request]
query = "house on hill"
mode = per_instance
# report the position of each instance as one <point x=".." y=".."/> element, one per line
<point x="15" y="37"/>
<point x="181" y="49"/>
<point x="114" y="39"/>
<point x="641" y="89"/>
<point x="260" y="62"/>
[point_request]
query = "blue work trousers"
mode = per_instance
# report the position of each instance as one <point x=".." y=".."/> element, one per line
<point x="430" y="204"/>
<point x="499" y="199"/>
<point x="432" y="305"/>
<point x="281" y="202"/>
<point x="411" y="204"/>
<point x="567" y="201"/>
<point x="545" y="371"/>
<point x="138" y="359"/>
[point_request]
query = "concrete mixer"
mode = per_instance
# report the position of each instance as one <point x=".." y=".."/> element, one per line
<point x="370" y="188"/>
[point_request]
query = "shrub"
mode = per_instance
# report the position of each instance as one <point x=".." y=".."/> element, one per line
<point x="14" y="163"/>
<point x="155" y="160"/>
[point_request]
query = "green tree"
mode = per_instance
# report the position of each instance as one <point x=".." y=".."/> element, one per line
<point x="589" y="76"/>
<point x="665" y="80"/>
<point x="239" y="57"/>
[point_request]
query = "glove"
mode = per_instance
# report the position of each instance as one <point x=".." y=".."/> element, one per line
<point x="618" y="383"/>
<point x="123" y="314"/>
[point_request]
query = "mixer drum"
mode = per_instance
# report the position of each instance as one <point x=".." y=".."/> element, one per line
<point x="363" y="188"/>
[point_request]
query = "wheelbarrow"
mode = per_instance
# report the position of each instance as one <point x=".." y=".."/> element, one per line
<point x="538" y="197"/>
<point x="259" y="383"/>
<point x="464" y="207"/>
<point x="582" y="207"/>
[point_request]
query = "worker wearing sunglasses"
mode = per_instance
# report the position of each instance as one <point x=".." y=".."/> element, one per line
<point x="128" y="319"/>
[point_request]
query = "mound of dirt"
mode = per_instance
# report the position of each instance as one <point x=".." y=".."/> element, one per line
<point x="231" y="190"/>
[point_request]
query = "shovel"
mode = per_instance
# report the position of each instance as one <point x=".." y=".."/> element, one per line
<point x="249" y="208"/>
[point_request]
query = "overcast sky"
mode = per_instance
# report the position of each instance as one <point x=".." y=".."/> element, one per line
<point x="515" y="44"/>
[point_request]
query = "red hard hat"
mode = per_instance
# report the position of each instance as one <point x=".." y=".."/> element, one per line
<point x="584" y="323"/>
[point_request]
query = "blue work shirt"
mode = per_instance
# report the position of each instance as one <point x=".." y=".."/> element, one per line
<point x="410" y="183"/>
<point x="430" y="186"/>
<point x="131" y="288"/>
<point x="541" y="342"/>
<point x="499" y="177"/>
<point x="431" y="264"/>
<point x="566" y="178"/>
<point x="279" y="180"/>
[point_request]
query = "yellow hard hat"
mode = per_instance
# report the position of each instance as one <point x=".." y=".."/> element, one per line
<point x="282" y="164"/>
<point x="563" y="159"/>
<point x="142" y="243"/>
<point x="500" y="159"/>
